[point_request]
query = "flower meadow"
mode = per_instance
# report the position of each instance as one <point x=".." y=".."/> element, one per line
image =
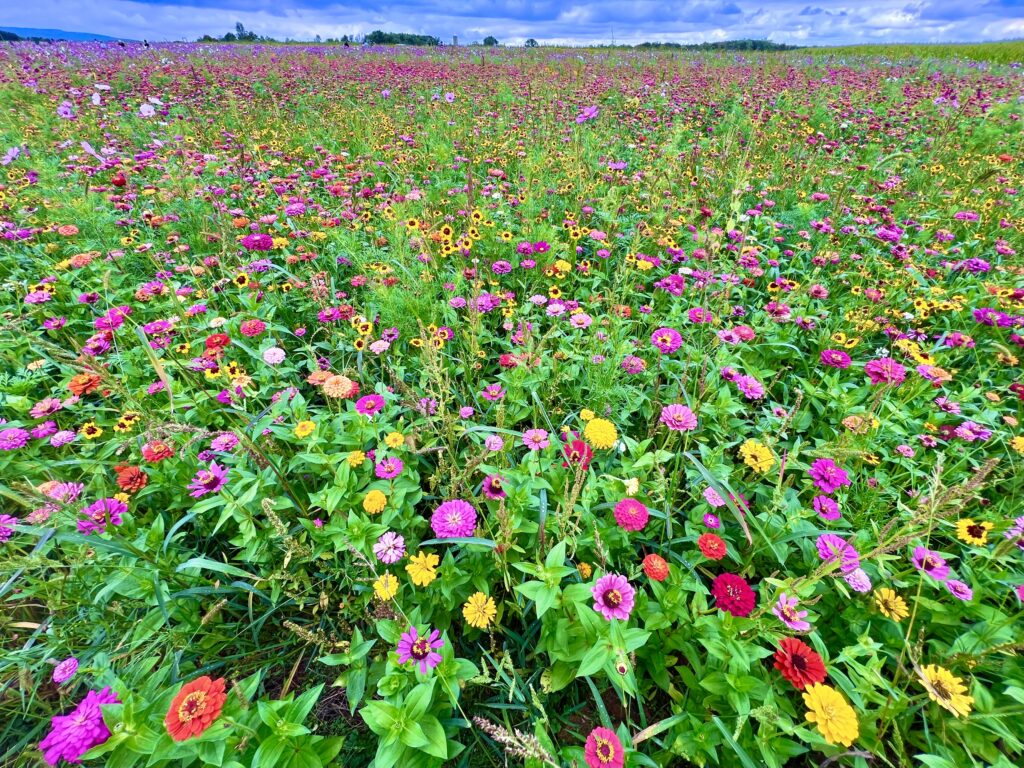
<point x="407" y="407"/>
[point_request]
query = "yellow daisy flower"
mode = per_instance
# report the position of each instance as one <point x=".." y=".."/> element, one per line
<point x="973" y="532"/>
<point x="946" y="689"/>
<point x="385" y="587"/>
<point x="891" y="605"/>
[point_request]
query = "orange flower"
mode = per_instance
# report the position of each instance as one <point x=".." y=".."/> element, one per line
<point x="340" y="386"/>
<point x="84" y="383"/>
<point x="195" y="708"/>
<point x="68" y="230"/>
<point x="130" y="479"/>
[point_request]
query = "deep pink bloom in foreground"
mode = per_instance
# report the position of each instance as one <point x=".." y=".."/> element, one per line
<point x="208" y="481"/>
<point x="613" y="596"/>
<point x="885" y="371"/>
<point x="678" y="418"/>
<point x="99" y="514"/>
<point x="828" y="475"/>
<point x="931" y="563"/>
<point x="603" y="749"/>
<point x="72" y="735"/>
<point x="454" y="519"/>
<point x="733" y="595"/>
<point x="419" y="649"/>
<point x="370" y="405"/>
<point x="631" y="515"/>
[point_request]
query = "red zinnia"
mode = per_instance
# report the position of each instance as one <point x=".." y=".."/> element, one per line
<point x="84" y="383"/>
<point x="711" y="546"/>
<point x="655" y="567"/>
<point x="799" y="663"/>
<point x="577" y="452"/>
<point x="195" y="708"/>
<point x="253" y="327"/>
<point x="156" y="451"/>
<point x="733" y="594"/>
<point x="217" y="341"/>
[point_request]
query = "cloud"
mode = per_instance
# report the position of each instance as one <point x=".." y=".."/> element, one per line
<point x="549" y="21"/>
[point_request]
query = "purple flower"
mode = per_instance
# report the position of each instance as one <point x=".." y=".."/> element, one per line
<point x="858" y="580"/>
<point x="713" y="497"/>
<point x="836" y="549"/>
<point x="466" y="412"/>
<point x="494" y="443"/>
<point x="72" y="735"/>
<point x="63" y="437"/>
<point x="678" y="418"/>
<point x="492" y="487"/>
<point x="712" y="521"/>
<point x="225" y="442"/>
<point x="613" y="596"/>
<point x="826" y="507"/>
<point x="786" y="610"/>
<point x="99" y="514"/>
<point x="257" y="241"/>
<point x="44" y="430"/>
<point x="13" y="438"/>
<point x="390" y="547"/>
<point x="7" y="523"/>
<point x="493" y="392"/>
<point x="454" y="519"/>
<point x="931" y="563"/>
<point x="588" y="113"/>
<point x="828" y="476"/>
<point x="420" y="650"/>
<point x="751" y="388"/>
<point x="65" y="670"/>
<point x="536" y="439"/>
<point x="208" y="481"/>
<point x="959" y="590"/>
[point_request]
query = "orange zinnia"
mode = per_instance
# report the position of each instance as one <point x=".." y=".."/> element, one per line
<point x="84" y="383"/>
<point x="195" y="708"/>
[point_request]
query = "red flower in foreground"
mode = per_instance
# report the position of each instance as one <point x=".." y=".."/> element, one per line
<point x="799" y="663"/>
<point x="711" y="546"/>
<point x="603" y="749"/>
<point x="655" y="567"/>
<point x="195" y="708"/>
<point x="733" y="595"/>
<point x="577" y="452"/>
<point x="156" y="451"/>
<point x="217" y="341"/>
<point x="130" y="479"/>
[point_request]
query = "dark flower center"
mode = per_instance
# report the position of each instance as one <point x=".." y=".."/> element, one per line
<point x="192" y="707"/>
<point x="613" y="597"/>
<point x="420" y="648"/>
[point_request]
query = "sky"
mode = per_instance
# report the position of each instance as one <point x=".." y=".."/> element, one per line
<point x="573" y="22"/>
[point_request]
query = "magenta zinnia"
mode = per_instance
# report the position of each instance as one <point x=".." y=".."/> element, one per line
<point x="733" y="595"/>
<point x="678" y="418"/>
<point x="613" y="596"/>
<point x="208" y="481"/>
<point x="631" y="515"/>
<point x="454" y="519"/>
<point x="603" y="749"/>
<point x="72" y="735"/>
<point x="420" y="649"/>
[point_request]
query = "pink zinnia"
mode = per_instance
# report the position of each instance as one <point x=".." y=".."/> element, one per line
<point x="99" y="514"/>
<point x="835" y="358"/>
<point x="678" y="418"/>
<point x="65" y="670"/>
<point x="667" y="340"/>
<point x="72" y="735"/>
<point x="631" y="515"/>
<point x="828" y="475"/>
<point x="603" y="749"/>
<point x="885" y="371"/>
<point x="613" y="596"/>
<point x="420" y="649"/>
<point x="454" y="519"/>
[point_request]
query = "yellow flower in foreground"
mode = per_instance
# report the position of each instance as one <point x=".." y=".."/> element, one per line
<point x="394" y="440"/>
<point x="973" y="532"/>
<point x="355" y="459"/>
<point x="946" y="689"/>
<point x="422" y="568"/>
<point x="757" y="456"/>
<point x="600" y="433"/>
<point x="586" y="414"/>
<point x="375" y="502"/>
<point x="90" y="431"/>
<point x="834" y="717"/>
<point x="891" y="605"/>
<point x="479" y="610"/>
<point x="1017" y="443"/>
<point x="385" y="587"/>
<point x="304" y="428"/>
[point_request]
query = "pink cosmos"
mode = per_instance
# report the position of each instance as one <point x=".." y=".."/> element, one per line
<point x="613" y="596"/>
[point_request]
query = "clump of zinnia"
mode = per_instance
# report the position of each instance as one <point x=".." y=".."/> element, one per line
<point x="195" y="708"/>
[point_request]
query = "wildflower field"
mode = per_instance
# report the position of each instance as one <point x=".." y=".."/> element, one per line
<point x="548" y="407"/>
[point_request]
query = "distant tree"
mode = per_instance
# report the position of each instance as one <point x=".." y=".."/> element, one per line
<point x="8" y="36"/>
<point x="316" y="39"/>
<point x="229" y="37"/>
<point x="490" y="41"/>
<point x="344" y="38"/>
<point x="377" y="37"/>
<point x="531" y="43"/>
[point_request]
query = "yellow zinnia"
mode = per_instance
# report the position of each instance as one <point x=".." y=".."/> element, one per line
<point x="374" y="502"/>
<point x="304" y="428"/>
<point x="394" y="440"/>
<point x="479" y="610"/>
<point x="946" y="689"/>
<point x="422" y="568"/>
<point x="355" y="459"/>
<point x="385" y="587"/>
<point x="600" y="433"/>
<point x="757" y="456"/>
<point x="834" y="717"/>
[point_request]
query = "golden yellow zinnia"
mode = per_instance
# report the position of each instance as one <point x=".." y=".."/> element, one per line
<point x="385" y="587"/>
<point x="394" y="440"/>
<point x="304" y="428"/>
<point x="479" y="610"/>
<point x="422" y="568"/>
<point x="891" y="605"/>
<point x="757" y="456"/>
<point x="834" y="717"/>
<point x="374" y="502"/>
<point x="600" y="433"/>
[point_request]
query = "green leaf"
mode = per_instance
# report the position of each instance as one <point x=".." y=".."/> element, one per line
<point x="418" y="701"/>
<point x="380" y="716"/>
<point x="269" y="752"/>
<point x="437" y="742"/>
<point x="595" y="659"/>
<point x="556" y="556"/>
<point x="412" y="735"/>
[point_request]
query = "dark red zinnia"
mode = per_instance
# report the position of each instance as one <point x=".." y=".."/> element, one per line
<point x="799" y="663"/>
<point x="733" y="595"/>
<point x="577" y="452"/>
